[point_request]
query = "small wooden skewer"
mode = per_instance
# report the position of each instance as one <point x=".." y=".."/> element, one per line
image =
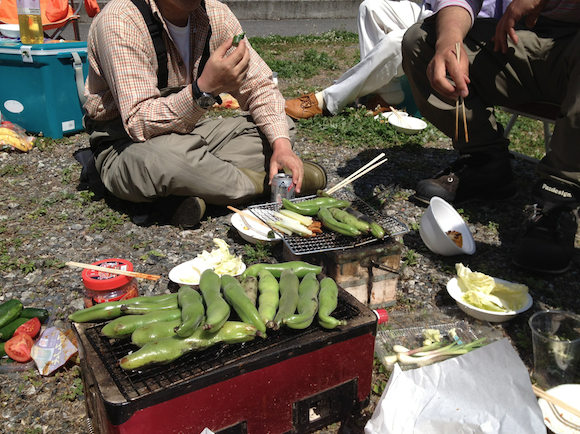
<point x="552" y="399"/>
<point x="365" y="172"/>
<point x="345" y="181"/>
<point x="113" y="270"/>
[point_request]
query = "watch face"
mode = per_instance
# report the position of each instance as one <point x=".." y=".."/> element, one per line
<point x="206" y="101"/>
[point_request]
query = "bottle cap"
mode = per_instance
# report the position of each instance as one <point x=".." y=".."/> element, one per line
<point x="103" y="281"/>
<point x="382" y="315"/>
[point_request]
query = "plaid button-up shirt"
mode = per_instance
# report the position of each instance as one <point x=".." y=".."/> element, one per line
<point x="122" y="80"/>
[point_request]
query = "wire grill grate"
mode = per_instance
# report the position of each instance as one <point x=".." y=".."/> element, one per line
<point x="328" y="240"/>
<point x="137" y="384"/>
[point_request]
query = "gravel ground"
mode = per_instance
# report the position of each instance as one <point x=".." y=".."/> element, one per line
<point x="46" y="220"/>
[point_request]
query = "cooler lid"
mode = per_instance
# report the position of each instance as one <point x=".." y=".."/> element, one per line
<point x="48" y="49"/>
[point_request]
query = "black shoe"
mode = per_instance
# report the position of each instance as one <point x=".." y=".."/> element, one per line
<point x="478" y="176"/>
<point x="545" y="241"/>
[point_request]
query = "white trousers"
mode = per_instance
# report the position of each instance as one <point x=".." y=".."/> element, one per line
<point x="381" y="26"/>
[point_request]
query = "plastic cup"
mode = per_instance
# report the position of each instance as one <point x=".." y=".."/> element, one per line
<point x="556" y="342"/>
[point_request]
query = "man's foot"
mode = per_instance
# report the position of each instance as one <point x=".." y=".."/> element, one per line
<point x="182" y="211"/>
<point x="478" y="176"/>
<point x="314" y="178"/>
<point x="304" y="107"/>
<point x="545" y="241"/>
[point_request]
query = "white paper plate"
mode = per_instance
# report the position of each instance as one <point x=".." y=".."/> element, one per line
<point x="185" y="274"/>
<point x="250" y="234"/>
<point x="10" y="30"/>
<point x="556" y="419"/>
<point x="384" y="116"/>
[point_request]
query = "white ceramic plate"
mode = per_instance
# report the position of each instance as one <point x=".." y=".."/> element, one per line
<point x="556" y="419"/>
<point x="485" y="315"/>
<point x="250" y="233"/>
<point x="10" y="30"/>
<point x="186" y="274"/>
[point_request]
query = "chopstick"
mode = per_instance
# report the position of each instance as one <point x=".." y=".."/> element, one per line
<point x="401" y="118"/>
<point x="243" y="216"/>
<point x="552" y="399"/>
<point x="251" y="217"/>
<point x="113" y="270"/>
<point x="352" y="176"/>
<point x="458" y="54"/>
<point x="360" y="172"/>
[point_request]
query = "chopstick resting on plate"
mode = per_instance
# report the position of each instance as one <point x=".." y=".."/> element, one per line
<point x="553" y="400"/>
<point x="458" y="54"/>
<point x="404" y="123"/>
<point x="360" y="172"/>
<point x="245" y="216"/>
<point x="114" y="271"/>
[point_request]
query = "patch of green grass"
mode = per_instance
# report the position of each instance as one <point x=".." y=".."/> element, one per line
<point x="526" y="136"/>
<point x="109" y="220"/>
<point x="354" y="128"/>
<point x="12" y="170"/>
<point x="306" y="65"/>
<point x="259" y="252"/>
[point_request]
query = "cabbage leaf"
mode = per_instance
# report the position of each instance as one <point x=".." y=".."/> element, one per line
<point x="485" y="292"/>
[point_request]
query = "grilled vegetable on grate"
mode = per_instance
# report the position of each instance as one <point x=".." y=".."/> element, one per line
<point x="307" y="303"/>
<point x="217" y="309"/>
<point x="269" y="297"/>
<point x="149" y="332"/>
<point x="250" y="285"/>
<point x="235" y="295"/>
<point x="300" y="268"/>
<point x="376" y="230"/>
<point x="192" y="310"/>
<point x="348" y="219"/>
<point x="127" y="324"/>
<point x="329" y="222"/>
<point x="289" y="296"/>
<point x="328" y="300"/>
<point x="166" y="350"/>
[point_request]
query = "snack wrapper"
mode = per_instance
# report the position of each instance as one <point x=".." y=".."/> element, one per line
<point x="52" y="350"/>
<point x="13" y="136"/>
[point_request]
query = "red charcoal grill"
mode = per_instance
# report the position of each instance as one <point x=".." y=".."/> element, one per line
<point x="294" y="381"/>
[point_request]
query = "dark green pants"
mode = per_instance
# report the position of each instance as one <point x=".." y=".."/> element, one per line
<point x="543" y="67"/>
<point x="205" y="163"/>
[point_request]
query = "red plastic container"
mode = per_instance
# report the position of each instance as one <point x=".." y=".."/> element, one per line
<point x="101" y="287"/>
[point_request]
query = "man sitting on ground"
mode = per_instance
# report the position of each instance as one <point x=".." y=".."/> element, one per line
<point x="151" y="144"/>
<point x="529" y="53"/>
<point x="381" y="25"/>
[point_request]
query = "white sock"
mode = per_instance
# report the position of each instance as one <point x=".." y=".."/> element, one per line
<point x="319" y="99"/>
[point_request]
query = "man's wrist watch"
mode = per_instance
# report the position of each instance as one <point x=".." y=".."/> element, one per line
<point x="204" y="99"/>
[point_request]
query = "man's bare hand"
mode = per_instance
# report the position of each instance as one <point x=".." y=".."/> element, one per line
<point x="516" y="10"/>
<point x="284" y="156"/>
<point x="225" y="74"/>
<point x="444" y="65"/>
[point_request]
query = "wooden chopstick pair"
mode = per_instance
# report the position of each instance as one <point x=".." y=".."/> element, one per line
<point x="114" y="271"/>
<point x="404" y="123"/>
<point x="458" y="54"/>
<point x="360" y="172"/>
<point x="553" y="400"/>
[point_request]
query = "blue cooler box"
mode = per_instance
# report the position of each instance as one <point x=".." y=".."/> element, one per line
<point x="42" y="86"/>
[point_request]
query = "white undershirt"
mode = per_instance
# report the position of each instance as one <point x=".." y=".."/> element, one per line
<point x="181" y="38"/>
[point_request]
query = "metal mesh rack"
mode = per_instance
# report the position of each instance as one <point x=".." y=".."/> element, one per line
<point x="330" y="240"/>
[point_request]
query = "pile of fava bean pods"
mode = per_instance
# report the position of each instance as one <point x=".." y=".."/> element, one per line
<point x="265" y="296"/>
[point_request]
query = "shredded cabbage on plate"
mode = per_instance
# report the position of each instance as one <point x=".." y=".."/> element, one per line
<point x="485" y="292"/>
<point x="221" y="260"/>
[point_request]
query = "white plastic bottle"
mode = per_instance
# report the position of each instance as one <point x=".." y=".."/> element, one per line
<point x="30" y="21"/>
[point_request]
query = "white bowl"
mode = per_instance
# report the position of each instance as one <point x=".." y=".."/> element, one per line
<point x="439" y="218"/>
<point x="408" y="124"/>
<point x="10" y="30"/>
<point x="485" y="315"/>
<point x="255" y="232"/>
<point x="384" y="116"/>
<point x="186" y="273"/>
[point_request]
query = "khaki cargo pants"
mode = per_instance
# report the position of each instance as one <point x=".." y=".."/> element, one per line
<point x="212" y="162"/>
